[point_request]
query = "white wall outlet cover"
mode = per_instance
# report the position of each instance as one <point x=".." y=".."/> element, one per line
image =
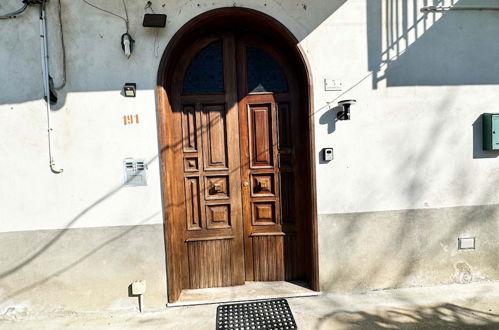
<point x="328" y="154"/>
<point x="332" y="85"/>
<point x="138" y="287"/>
<point x="466" y="243"/>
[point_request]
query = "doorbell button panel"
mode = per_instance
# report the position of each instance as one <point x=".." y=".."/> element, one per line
<point x="327" y="154"/>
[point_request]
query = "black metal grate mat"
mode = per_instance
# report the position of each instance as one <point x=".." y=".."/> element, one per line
<point x="259" y="315"/>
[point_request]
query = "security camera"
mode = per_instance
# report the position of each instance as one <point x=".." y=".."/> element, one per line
<point x="345" y="113"/>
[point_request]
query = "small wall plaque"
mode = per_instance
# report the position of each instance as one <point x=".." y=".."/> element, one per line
<point x="332" y="85"/>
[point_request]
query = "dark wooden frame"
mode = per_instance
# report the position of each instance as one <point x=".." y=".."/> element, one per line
<point x="213" y="20"/>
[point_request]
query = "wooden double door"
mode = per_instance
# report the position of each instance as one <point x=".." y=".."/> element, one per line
<point x="237" y="207"/>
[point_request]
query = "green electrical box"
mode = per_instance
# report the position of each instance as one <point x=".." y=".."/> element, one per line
<point x="490" y="130"/>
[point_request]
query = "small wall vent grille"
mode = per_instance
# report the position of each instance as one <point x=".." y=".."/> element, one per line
<point x="135" y="172"/>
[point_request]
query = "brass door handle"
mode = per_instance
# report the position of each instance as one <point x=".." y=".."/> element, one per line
<point x="245" y="184"/>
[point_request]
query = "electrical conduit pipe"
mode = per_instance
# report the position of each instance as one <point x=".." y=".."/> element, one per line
<point x="46" y="82"/>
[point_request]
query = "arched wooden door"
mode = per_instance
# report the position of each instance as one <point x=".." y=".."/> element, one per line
<point x="238" y="155"/>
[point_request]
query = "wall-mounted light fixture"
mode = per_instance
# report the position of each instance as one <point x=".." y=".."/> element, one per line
<point x="345" y="113"/>
<point x="129" y="89"/>
<point x="127" y="44"/>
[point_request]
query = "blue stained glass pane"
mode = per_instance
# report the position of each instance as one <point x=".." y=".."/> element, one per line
<point x="205" y="73"/>
<point x="264" y="74"/>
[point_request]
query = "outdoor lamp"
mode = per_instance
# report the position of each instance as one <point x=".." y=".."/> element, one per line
<point x="345" y="113"/>
<point x="129" y="89"/>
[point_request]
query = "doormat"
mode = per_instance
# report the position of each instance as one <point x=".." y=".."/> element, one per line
<point x="269" y="315"/>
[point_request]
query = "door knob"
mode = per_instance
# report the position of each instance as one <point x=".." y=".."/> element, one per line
<point x="245" y="183"/>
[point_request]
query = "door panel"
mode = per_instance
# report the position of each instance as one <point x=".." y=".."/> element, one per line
<point x="260" y="135"/>
<point x="208" y="262"/>
<point x="212" y="248"/>
<point x="284" y="118"/>
<point x="268" y="257"/>
<point x="267" y="99"/>
<point x="212" y="202"/>
<point x="214" y="137"/>
<point x="193" y="208"/>
<point x="189" y="129"/>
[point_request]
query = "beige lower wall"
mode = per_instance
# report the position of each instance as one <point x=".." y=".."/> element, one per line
<point x="91" y="269"/>
<point x="377" y="250"/>
<point x="81" y="269"/>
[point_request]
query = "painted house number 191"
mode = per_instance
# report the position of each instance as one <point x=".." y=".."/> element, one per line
<point x="130" y="119"/>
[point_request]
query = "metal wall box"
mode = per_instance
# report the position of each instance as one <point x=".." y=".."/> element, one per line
<point x="490" y="131"/>
<point x="466" y="243"/>
<point x="135" y="172"/>
<point x="154" y="20"/>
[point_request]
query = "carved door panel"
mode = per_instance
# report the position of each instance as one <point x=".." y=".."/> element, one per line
<point x="234" y="211"/>
<point x="267" y="94"/>
<point x="212" y="251"/>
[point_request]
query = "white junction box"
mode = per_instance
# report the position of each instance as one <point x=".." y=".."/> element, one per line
<point x="466" y="243"/>
<point x="138" y="287"/>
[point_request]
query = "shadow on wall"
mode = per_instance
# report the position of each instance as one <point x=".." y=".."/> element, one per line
<point x="405" y="47"/>
<point x="381" y="251"/>
<point x="392" y="260"/>
<point x="95" y="61"/>
<point x="9" y="272"/>
<point x="419" y="53"/>
<point x="329" y="117"/>
<point x="444" y="316"/>
<point x="410" y="48"/>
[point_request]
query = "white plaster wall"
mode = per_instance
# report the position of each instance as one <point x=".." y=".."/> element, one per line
<point x="409" y="144"/>
<point x="415" y="141"/>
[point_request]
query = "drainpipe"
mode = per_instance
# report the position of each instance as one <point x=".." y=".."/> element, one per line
<point x="439" y="9"/>
<point x="46" y="82"/>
